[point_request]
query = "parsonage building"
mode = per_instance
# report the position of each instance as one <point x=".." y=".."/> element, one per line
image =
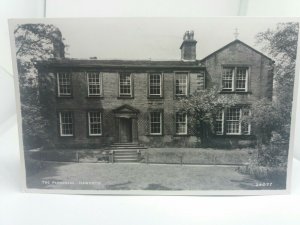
<point x="94" y="103"/>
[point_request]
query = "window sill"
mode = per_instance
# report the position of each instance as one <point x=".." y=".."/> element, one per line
<point x="181" y="135"/>
<point x="64" y="97"/>
<point x="155" y="135"/>
<point x="95" y="136"/>
<point x="234" y="135"/>
<point x="95" y="97"/>
<point x="235" y="92"/>
<point x="125" y="97"/>
<point x="155" y="97"/>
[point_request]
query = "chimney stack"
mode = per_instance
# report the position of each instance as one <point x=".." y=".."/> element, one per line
<point x="188" y="47"/>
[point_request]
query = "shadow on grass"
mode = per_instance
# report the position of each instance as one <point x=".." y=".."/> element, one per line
<point x="156" y="187"/>
<point x="121" y="186"/>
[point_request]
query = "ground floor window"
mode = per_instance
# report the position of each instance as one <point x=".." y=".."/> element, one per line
<point x="66" y="123"/>
<point x="219" y="126"/>
<point x="155" y="123"/>
<point x="181" y="123"/>
<point x="232" y="121"/>
<point x="95" y="123"/>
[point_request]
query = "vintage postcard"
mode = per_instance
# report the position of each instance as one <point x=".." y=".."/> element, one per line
<point x="159" y="106"/>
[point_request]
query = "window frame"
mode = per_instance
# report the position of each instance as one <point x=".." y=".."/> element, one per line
<point x="239" y="121"/>
<point x="249" y="124"/>
<point x="61" y="134"/>
<point x="187" y="83"/>
<point x="186" y="123"/>
<point x="160" y="122"/>
<point x="58" y="83"/>
<point x="160" y="95"/>
<point x="234" y="79"/>
<point x="222" y="122"/>
<point x="100" y="84"/>
<point x="131" y="85"/>
<point x="89" y="123"/>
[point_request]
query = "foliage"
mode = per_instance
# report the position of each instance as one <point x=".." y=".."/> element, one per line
<point x="272" y="118"/>
<point x="34" y="42"/>
<point x="281" y="44"/>
<point x="203" y="107"/>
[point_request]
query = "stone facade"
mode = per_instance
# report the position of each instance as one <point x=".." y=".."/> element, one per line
<point x="136" y="108"/>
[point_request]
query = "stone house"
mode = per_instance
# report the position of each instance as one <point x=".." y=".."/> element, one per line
<point x="94" y="103"/>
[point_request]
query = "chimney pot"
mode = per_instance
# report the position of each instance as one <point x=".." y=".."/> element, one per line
<point x="188" y="47"/>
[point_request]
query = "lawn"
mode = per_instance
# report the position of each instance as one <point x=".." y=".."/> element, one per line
<point x="138" y="176"/>
<point x="202" y="156"/>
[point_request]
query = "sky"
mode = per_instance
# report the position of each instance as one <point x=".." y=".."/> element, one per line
<point x="155" y="38"/>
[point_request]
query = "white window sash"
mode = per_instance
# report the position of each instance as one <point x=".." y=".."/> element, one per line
<point x="59" y="94"/>
<point x="186" y="83"/>
<point x="61" y="127"/>
<point x="185" y="125"/>
<point x="240" y="123"/>
<point x="160" y="124"/>
<point x="160" y="86"/>
<point x="130" y="84"/>
<point x="89" y="122"/>
<point x="100" y="85"/>
<point x="222" y="123"/>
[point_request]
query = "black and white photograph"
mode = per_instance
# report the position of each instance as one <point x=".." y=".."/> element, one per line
<point x="181" y="106"/>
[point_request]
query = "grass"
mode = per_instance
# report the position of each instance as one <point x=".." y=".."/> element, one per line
<point x="197" y="156"/>
<point x="276" y="176"/>
<point x="99" y="176"/>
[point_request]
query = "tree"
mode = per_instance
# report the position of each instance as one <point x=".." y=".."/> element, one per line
<point x="272" y="118"/>
<point x="34" y="42"/>
<point x="281" y="44"/>
<point x="203" y="107"/>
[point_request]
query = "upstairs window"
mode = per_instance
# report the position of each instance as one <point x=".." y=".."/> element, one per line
<point x="181" y="84"/>
<point x="155" y="123"/>
<point x="235" y="79"/>
<point x="64" y="84"/>
<point x="125" y="86"/>
<point x="155" y="83"/>
<point x="227" y="79"/>
<point x="181" y="123"/>
<point x="94" y="84"/>
<point x="66" y="123"/>
<point x="95" y="123"/>
<point x="241" y="79"/>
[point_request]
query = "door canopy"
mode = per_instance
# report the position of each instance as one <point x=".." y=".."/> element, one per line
<point x="126" y="111"/>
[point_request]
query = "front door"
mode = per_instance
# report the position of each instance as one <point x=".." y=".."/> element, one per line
<point x="125" y="130"/>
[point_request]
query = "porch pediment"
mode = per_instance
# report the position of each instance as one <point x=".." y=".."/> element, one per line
<point x="126" y="109"/>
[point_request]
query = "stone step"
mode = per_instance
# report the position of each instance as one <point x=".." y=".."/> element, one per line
<point x="126" y="157"/>
<point x="127" y="147"/>
<point x="125" y="160"/>
<point x="126" y="153"/>
<point x="125" y="150"/>
<point x="125" y="143"/>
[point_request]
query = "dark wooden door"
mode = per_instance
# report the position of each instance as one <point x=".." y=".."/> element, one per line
<point x="125" y="130"/>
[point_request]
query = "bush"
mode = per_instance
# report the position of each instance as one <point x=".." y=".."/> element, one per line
<point x="274" y="175"/>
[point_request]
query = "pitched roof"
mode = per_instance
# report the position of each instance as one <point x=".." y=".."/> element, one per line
<point x="69" y="62"/>
<point x="235" y="42"/>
